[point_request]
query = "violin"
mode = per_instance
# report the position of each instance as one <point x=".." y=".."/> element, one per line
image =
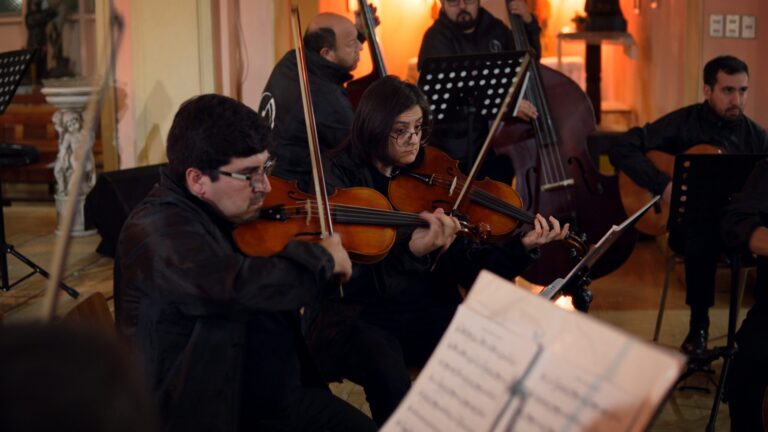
<point x="363" y="216"/>
<point x="491" y="205"/>
<point x="494" y="206"/>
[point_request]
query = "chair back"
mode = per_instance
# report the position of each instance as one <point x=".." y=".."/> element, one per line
<point x="765" y="410"/>
<point x="93" y="312"/>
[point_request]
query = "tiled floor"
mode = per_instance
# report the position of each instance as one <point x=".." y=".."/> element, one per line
<point x="628" y="299"/>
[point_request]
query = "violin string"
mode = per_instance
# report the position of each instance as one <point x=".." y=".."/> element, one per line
<point x="490" y="200"/>
<point x="363" y="215"/>
<point x="541" y="132"/>
<point x="555" y="164"/>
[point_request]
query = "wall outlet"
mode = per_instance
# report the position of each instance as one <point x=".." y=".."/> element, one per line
<point x="716" y="26"/>
<point x="748" y="26"/>
<point x="732" y="26"/>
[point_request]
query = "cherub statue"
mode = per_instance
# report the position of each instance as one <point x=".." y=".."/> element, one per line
<point x="69" y="124"/>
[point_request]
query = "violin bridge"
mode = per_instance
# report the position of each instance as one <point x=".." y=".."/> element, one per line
<point x="561" y="184"/>
<point x="453" y="186"/>
<point x="308" y="210"/>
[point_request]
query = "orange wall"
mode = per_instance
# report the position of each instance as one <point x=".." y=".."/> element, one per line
<point x="403" y="22"/>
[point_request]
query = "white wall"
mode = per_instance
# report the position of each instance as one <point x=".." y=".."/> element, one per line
<point x="167" y="57"/>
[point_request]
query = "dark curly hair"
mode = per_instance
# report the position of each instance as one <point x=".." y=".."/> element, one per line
<point x="211" y="129"/>
<point x="728" y="64"/>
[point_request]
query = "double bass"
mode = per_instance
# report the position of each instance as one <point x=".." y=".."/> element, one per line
<point x="356" y="87"/>
<point x="554" y="173"/>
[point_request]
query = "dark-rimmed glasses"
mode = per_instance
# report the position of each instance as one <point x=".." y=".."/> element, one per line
<point x="403" y="137"/>
<point x="254" y="176"/>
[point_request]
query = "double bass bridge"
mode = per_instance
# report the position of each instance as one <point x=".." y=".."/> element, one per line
<point x="558" y="185"/>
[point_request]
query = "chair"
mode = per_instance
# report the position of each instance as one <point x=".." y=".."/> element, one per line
<point x="93" y="312"/>
<point x="672" y="261"/>
<point x="765" y="410"/>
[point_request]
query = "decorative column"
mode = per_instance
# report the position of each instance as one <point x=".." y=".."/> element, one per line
<point x="70" y="96"/>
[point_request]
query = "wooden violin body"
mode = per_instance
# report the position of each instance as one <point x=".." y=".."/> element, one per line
<point x="634" y="197"/>
<point x="492" y="205"/>
<point x="290" y="214"/>
<point x="493" y="208"/>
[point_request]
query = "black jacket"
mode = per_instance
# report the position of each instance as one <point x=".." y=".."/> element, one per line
<point x="491" y="35"/>
<point x="189" y="299"/>
<point x="747" y="212"/>
<point x="678" y="131"/>
<point x="332" y="108"/>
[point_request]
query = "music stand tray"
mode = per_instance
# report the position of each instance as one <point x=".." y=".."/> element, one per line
<point x="578" y="278"/>
<point x="481" y="80"/>
<point x="13" y="66"/>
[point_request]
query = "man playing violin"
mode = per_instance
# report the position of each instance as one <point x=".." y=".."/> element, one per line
<point x="718" y="121"/>
<point x="332" y="50"/>
<point x="394" y="312"/>
<point x="745" y="226"/>
<point x="464" y="27"/>
<point x="218" y="332"/>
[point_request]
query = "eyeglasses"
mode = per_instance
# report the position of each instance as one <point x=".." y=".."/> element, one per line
<point x="259" y="174"/>
<point x="403" y="137"/>
<point x="454" y="3"/>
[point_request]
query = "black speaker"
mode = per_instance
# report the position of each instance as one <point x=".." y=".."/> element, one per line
<point x="112" y="199"/>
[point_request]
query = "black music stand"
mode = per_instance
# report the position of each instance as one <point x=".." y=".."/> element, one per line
<point x="576" y="282"/>
<point x="460" y="87"/>
<point x="702" y="187"/>
<point x="13" y="66"/>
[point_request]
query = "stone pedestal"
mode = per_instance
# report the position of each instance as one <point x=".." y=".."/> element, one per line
<point x="70" y="96"/>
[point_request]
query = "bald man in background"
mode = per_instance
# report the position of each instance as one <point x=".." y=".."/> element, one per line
<point x="332" y="50"/>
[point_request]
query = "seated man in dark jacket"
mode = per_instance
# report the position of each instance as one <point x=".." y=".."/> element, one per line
<point x="332" y="51"/>
<point x="745" y="226"/>
<point x="218" y="331"/>
<point x="719" y="121"/>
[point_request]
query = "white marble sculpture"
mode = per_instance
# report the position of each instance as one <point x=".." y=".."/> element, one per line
<point x="70" y="97"/>
<point x="69" y="126"/>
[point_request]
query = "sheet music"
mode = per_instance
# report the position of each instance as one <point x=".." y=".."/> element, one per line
<point x="511" y="361"/>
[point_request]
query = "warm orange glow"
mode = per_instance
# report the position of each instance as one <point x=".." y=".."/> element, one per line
<point x="565" y="302"/>
<point x="561" y="12"/>
<point x="530" y="286"/>
<point x="403" y="23"/>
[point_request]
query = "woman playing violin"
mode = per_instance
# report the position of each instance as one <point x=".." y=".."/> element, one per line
<point x="394" y="312"/>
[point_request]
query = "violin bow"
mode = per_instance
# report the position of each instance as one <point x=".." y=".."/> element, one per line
<point x="515" y="93"/>
<point x="87" y="136"/>
<point x="324" y="210"/>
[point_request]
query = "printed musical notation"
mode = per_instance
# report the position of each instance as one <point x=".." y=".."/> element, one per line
<point x="492" y="372"/>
